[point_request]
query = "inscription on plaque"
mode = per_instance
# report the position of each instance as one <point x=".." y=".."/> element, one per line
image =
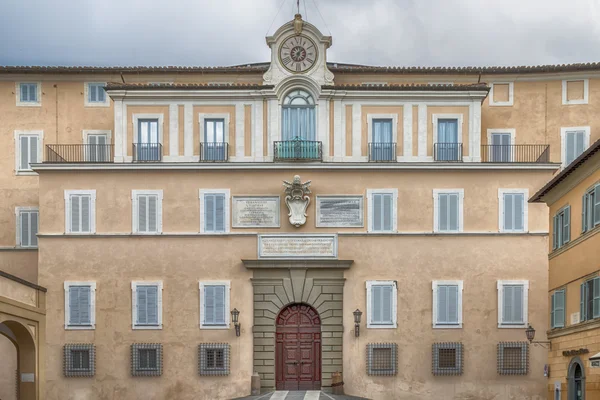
<point x="339" y="211"/>
<point x="255" y="212"/>
<point x="297" y="246"/>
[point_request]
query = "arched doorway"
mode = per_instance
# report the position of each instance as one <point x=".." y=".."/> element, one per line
<point x="576" y="380"/>
<point x="26" y="358"/>
<point x="298" y="348"/>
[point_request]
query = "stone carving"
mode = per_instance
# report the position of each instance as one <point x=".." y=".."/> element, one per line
<point x="297" y="200"/>
<point x="255" y="212"/>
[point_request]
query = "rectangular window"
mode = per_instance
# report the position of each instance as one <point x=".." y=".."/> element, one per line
<point x="382" y="210"/>
<point x="513" y="358"/>
<point x="147" y="211"/>
<point x="512" y="303"/>
<point x="27" y="226"/>
<point x="213" y="359"/>
<point x="146" y="359"/>
<point x="28" y="93"/>
<point x="447" y="358"/>
<point x="590" y="299"/>
<point x="448" y="210"/>
<point x="214" y="147"/>
<point x="382" y="147"/>
<point x="147" y="305"/>
<point x="557" y="313"/>
<point x="561" y="228"/>
<point x="590" y="215"/>
<point x="214" y="305"/>
<point x="148" y="146"/>
<point x="214" y="210"/>
<point x="382" y="297"/>
<point x="80" y="299"/>
<point x="500" y="147"/>
<point x="447" y="146"/>
<point x="28" y="150"/>
<point x="97" y="148"/>
<point x="513" y="210"/>
<point x="447" y="304"/>
<point x="574" y="142"/>
<point x="79" y="360"/>
<point x="96" y="93"/>
<point x="80" y="211"/>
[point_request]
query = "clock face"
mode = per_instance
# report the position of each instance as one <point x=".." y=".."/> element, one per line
<point x="298" y="53"/>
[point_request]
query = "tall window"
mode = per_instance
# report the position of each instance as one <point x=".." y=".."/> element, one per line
<point x="214" y="210"/>
<point x="148" y="144"/>
<point x="447" y="304"/>
<point x="27" y="226"/>
<point x="147" y="211"/>
<point x="512" y="303"/>
<point x="80" y="213"/>
<point x="28" y="150"/>
<point x="97" y="148"/>
<point x="214" y="305"/>
<point x="382" y="210"/>
<point x="513" y="210"/>
<point x="448" y="210"/>
<point x="557" y="313"/>
<point x="80" y="305"/>
<point x="381" y="149"/>
<point x="147" y="305"/>
<point x="590" y="216"/>
<point x="590" y="299"/>
<point x="501" y="149"/>
<point x="575" y="141"/>
<point x="447" y="146"/>
<point x="214" y="140"/>
<point x="381" y="304"/>
<point x="299" y="120"/>
<point x="561" y="228"/>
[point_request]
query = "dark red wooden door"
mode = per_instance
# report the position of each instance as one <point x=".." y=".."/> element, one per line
<point x="298" y="348"/>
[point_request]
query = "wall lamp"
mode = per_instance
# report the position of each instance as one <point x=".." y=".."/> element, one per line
<point x="357" y="315"/>
<point x="235" y="315"/>
<point x="530" y="333"/>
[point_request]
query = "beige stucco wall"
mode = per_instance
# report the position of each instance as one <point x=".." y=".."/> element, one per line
<point x="8" y="369"/>
<point x="20" y="263"/>
<point x="18" y="292"/>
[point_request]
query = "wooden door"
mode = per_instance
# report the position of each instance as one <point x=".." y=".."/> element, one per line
<point x="298" y="348"/>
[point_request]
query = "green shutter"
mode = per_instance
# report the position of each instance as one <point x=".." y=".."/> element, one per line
<point x="596" y="205"/>
<point x="584" y="216"/>
<point x="559" y="309"/>
<point x="596" y="298"/>
<point x="552" y="313"/>
<point x="567" y="225"/>
<point x="582" y="304"/>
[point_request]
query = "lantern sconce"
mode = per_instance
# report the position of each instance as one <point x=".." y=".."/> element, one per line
<point x="357" y="315"/>
<point x="530" y="333"/>
<point x="235" y="314"/>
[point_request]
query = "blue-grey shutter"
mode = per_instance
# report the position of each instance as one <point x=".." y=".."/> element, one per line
<point x="596" y="205"/>
<point x="508" y="211"/>
<point x="220" y="213"/>
<point x="24" y="92"/>
<point x="596" y="298"/>
<point x="442" y="305"/>
<point x="74" y="310"/>
<point x="519" y="211"/>
<point x="452" y="304"/>
<point x="377" y="212"/>
<point x="220" y="311"/>
<point x="33" y="150"/>
<point x="507" y="304"/>
<point x="33" y="228"/>
<point x="84" y="305"/>
<point x="381" y="304"/>
<point x="32" y="92"/>
<point x="152" y="305"/>
<point x="387" y="212"/>
<point x="559" y="308"/>
<point x="152" y="213"/>
<point x="24" y="221"/>
<point x="567" y="225"/>
<point x="555" y="232"/>
<point x="75" y="209"/>
<point x="584" y="214"/>
<point x="142" y="214"/>
<point x="142" y="305"/>
<point x="552" y="310"/>
<point x="85" y="213"/>
<point x="92" y="92"/>
<point x="518" y="304"/>
<point x="453" y="212"/>
<point x="209" y="305"/>
<point x="443" y="212"/>
<point x="582" y="302"/>
<point x="209" y="212"/>
<point x="100" y="93"/>
<point x="24" y="150"/>
<point x="386" y="309"/>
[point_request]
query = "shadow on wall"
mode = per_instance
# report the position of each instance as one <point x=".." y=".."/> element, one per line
<point x="8" y="366"/>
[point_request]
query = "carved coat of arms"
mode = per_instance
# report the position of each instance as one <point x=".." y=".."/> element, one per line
<point x="297" y="200"/>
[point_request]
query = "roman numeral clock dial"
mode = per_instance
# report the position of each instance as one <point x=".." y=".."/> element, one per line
<point x="298" y="53"/>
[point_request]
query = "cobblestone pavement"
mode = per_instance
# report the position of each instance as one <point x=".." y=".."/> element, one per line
<point x="300" y="395"/>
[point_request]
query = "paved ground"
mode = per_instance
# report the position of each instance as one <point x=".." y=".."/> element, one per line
<point x="299" y="395"/>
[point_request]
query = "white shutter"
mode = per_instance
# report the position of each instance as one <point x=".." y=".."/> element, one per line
<point x="33" y="150"/>
<point x="84" y="305"/>
<point x="517" y="316"/>
<point x="24" y="150"/>
<point x="452" y="304"/>
<point x="34" y="226"/>
<point x="453" y="212"/>
<point x="508" y="212"/>
<point x="507" y="306"/>
<point x="519" y="211"/>
<point x="386" y="301"/>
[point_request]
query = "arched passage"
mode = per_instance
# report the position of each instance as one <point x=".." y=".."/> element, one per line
<point x="9" y="365"/>
<point x="26" y="358"/>
<point x="576" y="380"/>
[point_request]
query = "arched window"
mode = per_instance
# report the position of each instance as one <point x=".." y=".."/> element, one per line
<point x="576" y="380"/>
<point x="299" y="121"/>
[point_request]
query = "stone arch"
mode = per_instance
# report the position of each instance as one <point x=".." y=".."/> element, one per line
<point x="24" y="341"/>
<point x="297" y="82"/>
<point x="576" y="379"/>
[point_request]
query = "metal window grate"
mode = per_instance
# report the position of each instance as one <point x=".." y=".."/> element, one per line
<point x="213" y="359"/>
<point x="79" y="360"/>
<point x="513" y="358"/>
<point x="382" y="359"/>
<point x="447" y="358"/>
<point x="146" y="359"/>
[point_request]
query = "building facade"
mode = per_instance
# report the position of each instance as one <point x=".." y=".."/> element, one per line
<point x="573" y="197"/>
<point x="153" y="202"/>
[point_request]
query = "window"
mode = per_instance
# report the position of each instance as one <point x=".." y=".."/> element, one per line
<point x="447" y="304"/>
<point x="79" y="360"/>
<point x="214" y="146"/>
<point x="574" y="142"/>
<point x="500" y="145"/>
<point x="590" y="215"/>
<point x="382" y="359"/>
<point x="29" y="94"/>
<point x="28" y="146"/>
<point x="513" y="213"/>
<point x="382" y="210"/>
<point x="299" y="117"/>
<point x="80" y="304"/>
<point x="501" y="94"/>
<point x="147" y="211"/>
<point x="448" y="210"/>
<point x="27" y="226"/>
<point x="447" y="359"/>
<point x="589" y="307"/>
<point x="382" y="301"/>
<point x="382" y="134"/>
<point x="80" y="211"/>
<point x="513" y="358"/>
<point x="213" y="359"/>
<point x="147" y="137"/>
<point x="512" y="304"/>
<point x="95" y="95"/>
<point x="146" y="305"/>
<point x="97" y="146"/>
<point x="557" y="313"/>
<point x="448" y="146"/>
<point x="561" y="228"/>
<point x="214" y="305"/>
<point x="214" y="210"/>
<point x="146" y="359"/>
<point x="575" y="91"/>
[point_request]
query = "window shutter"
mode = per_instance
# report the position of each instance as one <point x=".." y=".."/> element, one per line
<point x="24" y="92"/>
<point x="75" y="226"/>
<point x="25" y="231"/>
<point x="84" y="305"/>
<point x="220" y="213"/>
<point x="74" y="310"/>
<point x="387" y="212"/>
<point x="24" y="142"/>
<point x="100" y="93"/>
<point x="219" y="292"/>
<point x="152" y="305"/>
<point x="579" y="144"/>
<point x="377" y="212"/>
<point x="559" y="308"/>
<point x="596" y="205"/>
<point x="142" y="213"/>
<point x="85" y="213"/>
<point x="209" y="212"/>
<point x="33" y="231"/>
<point x="518" y="304"/>
<point x="442" y="304"/>
<point x="386" y="308"/>
<point x="582" y="297"/>
<point x="209" y="305"/>
<point x="452" y="304"/>
<point x="519" y="211"/>
<point x="32" y="92"/>
<point x="33" y="150"/>
<point x="552" y="310"/>
<point x="453" y="212"/>
<point x="584" y="216"/>
<point x="92" y="92"/>
<point x="596" y="298"/>
<point x="507" y="306"/>
<point x="567" y="225"/>
<point x="508" y="212"/>
<point x="152" y="213"/>
<point x="142" y="305"/>
<point x="555" y="232"/>
<point x="443" y="212"/>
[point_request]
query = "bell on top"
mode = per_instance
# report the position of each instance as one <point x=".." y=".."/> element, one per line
<point x="298" y="24"/>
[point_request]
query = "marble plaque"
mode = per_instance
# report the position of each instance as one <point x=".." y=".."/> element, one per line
<point x="27" y="377"/>
<point x="340" y="212"/>
<point x="255" y="212"/>
<point x="297" y="246"/>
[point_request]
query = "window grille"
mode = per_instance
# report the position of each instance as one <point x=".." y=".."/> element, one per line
<point x="146" y="359"/>
<point x="79" y="360"/>
<point x="213" y="359"/>
<point x="447" y="358"/>
<point x="382" y="359"/>
<point x="513" y="358"/>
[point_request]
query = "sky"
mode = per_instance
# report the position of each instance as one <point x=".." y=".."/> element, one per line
<point x="231" y="32"/>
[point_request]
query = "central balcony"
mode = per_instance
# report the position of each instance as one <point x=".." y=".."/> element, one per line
<point x="214" y="152"/>
<point x="147" y="152"/>
<point x="297" y="150"/>
<point x="448" y="152"/>
<point x="382" y="152"/>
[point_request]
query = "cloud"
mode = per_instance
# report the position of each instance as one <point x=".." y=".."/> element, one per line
<point x="228" y="32"/>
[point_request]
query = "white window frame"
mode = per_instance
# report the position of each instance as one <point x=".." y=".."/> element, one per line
<point x="501" y="193"/>
<point x="458" y="117"/>
<point x="563" y="141"/>
<point x="500" y="287"/>
<point x="436" y="209"/>
<point x="511" y="95"/>
<point x="512" y="131"/>
<point x="92" y="286"/>
<point x="434" y="288"/>
<point x="92" y="194"/>
<point x="87" y="132"/>
<point x="227" y="193"/>
<point x="86" y="92"/>
<point x="134" y="209"/>
<point x="394" y="285"/>
<point x="393" y="117"/>
<point x="134" y="285"/>
<point x="394" y="193"/>
<point x="18" y="211"/>
<point x="224" y="116"/>
<point x="20" y="103"/>
<point x="136" y="117"/>
<point x="586" y="91"/>
<point x="18" y="134"/>
<point x="227" y="284"/>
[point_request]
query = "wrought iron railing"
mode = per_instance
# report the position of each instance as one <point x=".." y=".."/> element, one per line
<point x="515" y="153"/>
<point x="79" y="153"/>
<point x="297" y="150"/>
<point x="448" y="152"/>
<point x="214" y="152"/>
<point x="382" y="152"/>
<point x="147" y="152"/>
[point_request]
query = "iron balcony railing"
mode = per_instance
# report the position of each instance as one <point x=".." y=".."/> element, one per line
<point x="79" y="153"/>
<point x="214" y="152"/>
<point x="147" y="152"/>
<point x="381" y="152"/>
<point x="297" y="150"/>
<point x="448" y="152"/>
<point x="515" y="153"/>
